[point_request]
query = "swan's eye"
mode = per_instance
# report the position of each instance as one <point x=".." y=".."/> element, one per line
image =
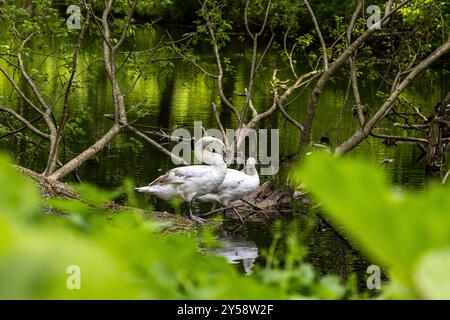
<point x="224" y="156"/>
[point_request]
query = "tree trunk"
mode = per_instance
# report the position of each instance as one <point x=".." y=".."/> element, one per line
<point x="435" y="147"/>
<point x="317" y="92"/>
<point x="76" y="162"/>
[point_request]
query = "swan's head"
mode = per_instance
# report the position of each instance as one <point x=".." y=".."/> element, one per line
<point x="210" y="150"/>
<point x="251" y="162"/>
<point x="208" y="142"/>
<point x="250" y="168"/>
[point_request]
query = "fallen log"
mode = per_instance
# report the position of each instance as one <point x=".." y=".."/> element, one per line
<point x="49" y="188"/>
<point x="264" y="205"/>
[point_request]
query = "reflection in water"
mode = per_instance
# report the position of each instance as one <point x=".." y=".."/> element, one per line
<point x="328" y="253"/>
<point x="236" y="249"/>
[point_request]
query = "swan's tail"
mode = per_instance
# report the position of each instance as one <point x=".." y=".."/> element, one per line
<point x="164" y="192"/>
<point x="146" y="189"/>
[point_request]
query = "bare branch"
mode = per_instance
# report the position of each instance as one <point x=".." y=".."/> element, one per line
<point x="247" y="27"/>
<point x="251" y="106"/>
<point x="76" y="162"/>
<point x="25" y="122"/>
<point x="290" y="53"/>
<point x="299" y="82"/>
<point x="389" y="103"/>
<point x="141" y="72"/>
<point x="20" y="92"/>
<point x="72" y="74"/>
<point x="326" y="75"/>
<point x="261" y="116"/>
<point x="125" y="29"/>
<point x="109" y="55"/>
<point x="30" y="82"/>
<point x="399" y="138"/>
<point x="195" y="64"/>
<point x="352" y="63"/>
<point x="416" y="109"/>
<point x="219" y="65"/>
<point x="219" y="124"/>
<point x="47" y="114"/>
<point x="319" y="34"/>
<point x="142" y="136"/>
<point x="254" y="64"/>
<point x="447" y="175"/>
<point x="288" y="117"/>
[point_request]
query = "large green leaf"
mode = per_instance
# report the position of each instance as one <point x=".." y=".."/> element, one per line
<point x="432" y="278"/>
<point x="18" y="197"/>
<point x="393" y="227"/>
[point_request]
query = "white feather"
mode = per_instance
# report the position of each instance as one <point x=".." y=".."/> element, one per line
<point x="235" y="186"/>
<point x="190" y="182"/>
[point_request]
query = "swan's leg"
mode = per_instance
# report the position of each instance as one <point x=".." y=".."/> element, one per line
<point x="191" y="216"/>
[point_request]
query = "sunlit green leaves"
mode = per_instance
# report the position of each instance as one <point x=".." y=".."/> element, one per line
<point x="3" y="129"/>
<point x="303" y="283"/>
<point x="18" y="198"/>
<point x="432" y="277"/>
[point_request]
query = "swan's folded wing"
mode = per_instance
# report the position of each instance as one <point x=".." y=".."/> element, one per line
<point x="232" y="180"/>
<point x="168" y="178"/>
<point x="183" y="174"/>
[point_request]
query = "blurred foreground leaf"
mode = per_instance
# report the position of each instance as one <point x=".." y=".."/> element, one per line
<point x="432" y="277"/>
<point x="394" y="228"/>
<point x="119" y="255"/>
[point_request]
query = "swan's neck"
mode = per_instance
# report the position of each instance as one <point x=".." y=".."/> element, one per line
<point x="213" y="159"/>
<point x="208" y="157"/>
<point x="251" y="171"/>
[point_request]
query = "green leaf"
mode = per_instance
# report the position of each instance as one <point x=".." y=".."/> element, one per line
<point x="432" y="277"/>
<point x="394" y="228"/>
<point x="18" y="197"/>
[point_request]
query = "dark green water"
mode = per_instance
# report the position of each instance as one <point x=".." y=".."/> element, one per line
<point x="183" y="95"/>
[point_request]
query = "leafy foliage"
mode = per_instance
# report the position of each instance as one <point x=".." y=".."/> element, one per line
<point x="122" y="255"/>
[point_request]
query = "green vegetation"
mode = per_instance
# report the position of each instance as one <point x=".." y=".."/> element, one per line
<point x="408" y="234"/>
<point x="96" y="105"/>
<point x="121" y="255"/>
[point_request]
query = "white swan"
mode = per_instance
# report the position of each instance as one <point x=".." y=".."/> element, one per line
<point x="190" y="182"/>
<point x="235" y="186"/>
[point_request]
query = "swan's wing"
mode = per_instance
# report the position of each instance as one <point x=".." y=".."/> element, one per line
<point x="169" y="178"/>
<point x="232" y="180"/>
<point x="183" y="174"/>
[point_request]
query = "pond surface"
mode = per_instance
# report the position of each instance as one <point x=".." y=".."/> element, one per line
<point x="182" y="95"/>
